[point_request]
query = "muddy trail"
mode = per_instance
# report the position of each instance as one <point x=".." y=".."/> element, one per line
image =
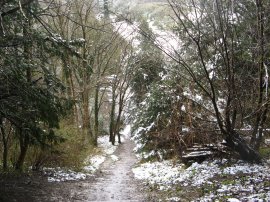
<point x="113" y="182"/>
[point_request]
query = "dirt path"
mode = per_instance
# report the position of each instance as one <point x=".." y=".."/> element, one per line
<point x="114" y="182"/>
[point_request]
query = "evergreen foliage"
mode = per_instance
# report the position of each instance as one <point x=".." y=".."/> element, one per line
<point x="149" y="63"/>
<point x="30" y="98"/>
<point x="62" y="62"/>
<point x="222" y="66"/>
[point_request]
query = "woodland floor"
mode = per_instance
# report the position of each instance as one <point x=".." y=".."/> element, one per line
<point x="113" y="182"/>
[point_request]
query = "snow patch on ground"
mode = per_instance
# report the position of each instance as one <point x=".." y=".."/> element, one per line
<point x="92" y="163"/>
<point x="60" y="175"/>
<point x="250" y="181"/>
<point x="173" y="199"/>
<point x="126" y="132"/>
<point x="114" y="157"/>
<point x="161" y="173"/>
<point x="167" y="40"/>
<point x="106" y="146"/>
<point x="233" y="200"/>
<point x="166" y="173"/>
<point x="128" y="31"/>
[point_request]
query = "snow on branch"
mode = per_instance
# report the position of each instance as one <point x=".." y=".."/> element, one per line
<point x="266" y="81"/>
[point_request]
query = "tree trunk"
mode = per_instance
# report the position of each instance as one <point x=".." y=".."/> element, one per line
<point x="119" y="138"/>
<point x="255" y="140"/>
<point x="5" y="156"/>
<point x="238" y="144"/>
<point x="259" y="139"/>
<point x="112" y="121"/>
<point x="85" y="110"/>
<point x="75" y="110"/>
<point x="106" y="8"/>
<point x="5" y="146"/>
<point x="24" y="143"/>
<point x="24" y="137"/>
<point x="118" y="121"/>
<point x="96" y="126"/>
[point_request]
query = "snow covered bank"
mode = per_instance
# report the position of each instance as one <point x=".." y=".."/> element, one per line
<point x="219" y="179"/>
<point x="92" y="163"/>
<point x="60" y="175"/>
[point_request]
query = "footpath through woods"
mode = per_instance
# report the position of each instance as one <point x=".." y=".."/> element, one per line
<point x="114" y="181"/>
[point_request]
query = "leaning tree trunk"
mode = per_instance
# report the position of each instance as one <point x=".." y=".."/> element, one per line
<point x="239" y="145"/>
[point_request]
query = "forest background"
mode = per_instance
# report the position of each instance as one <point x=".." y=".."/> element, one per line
<point x="189" y="72"/>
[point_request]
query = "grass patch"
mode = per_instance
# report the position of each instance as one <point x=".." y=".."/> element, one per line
<point x="228" y="182"/>
<point x="186" y="194"/>
<point x="265" y="152"/>
<point x="266" y="184"/>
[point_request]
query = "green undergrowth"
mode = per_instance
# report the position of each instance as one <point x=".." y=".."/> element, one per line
<point x="71" y="153"/>
<point x="190" y="193"/>
<point x="186" y="194"/>
<point x="265" y="152"/>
